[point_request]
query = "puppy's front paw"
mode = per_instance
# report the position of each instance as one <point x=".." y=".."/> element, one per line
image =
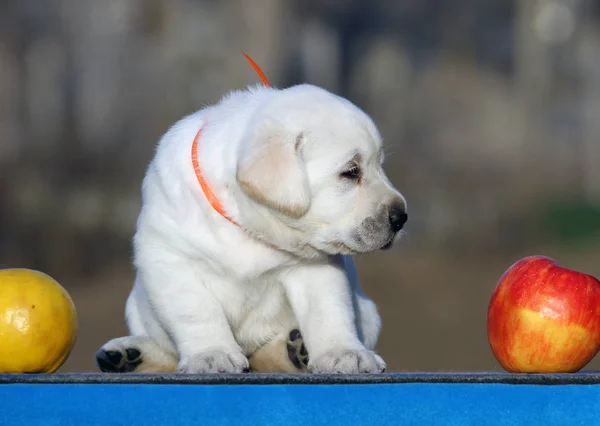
<point x="215" y="361"/>
<point x="347" y="361"/>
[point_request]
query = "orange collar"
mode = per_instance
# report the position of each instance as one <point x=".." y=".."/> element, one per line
<point x="208" y="193"/>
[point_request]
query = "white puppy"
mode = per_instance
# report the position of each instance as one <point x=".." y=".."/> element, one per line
<point x="296" y="182"/>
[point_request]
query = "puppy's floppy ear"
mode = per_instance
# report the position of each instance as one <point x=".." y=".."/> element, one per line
<point x="271" y="169"/>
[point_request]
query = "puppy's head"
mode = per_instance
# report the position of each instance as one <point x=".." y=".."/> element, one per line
<point x="315" y="160"/>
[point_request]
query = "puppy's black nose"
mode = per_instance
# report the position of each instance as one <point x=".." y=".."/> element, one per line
<point x="398" y="217"/>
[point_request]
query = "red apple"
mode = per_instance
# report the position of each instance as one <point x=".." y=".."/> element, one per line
<point x="544" y="318"/>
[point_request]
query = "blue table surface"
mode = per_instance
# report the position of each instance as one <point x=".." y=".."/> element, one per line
<point x="262" y="399"/>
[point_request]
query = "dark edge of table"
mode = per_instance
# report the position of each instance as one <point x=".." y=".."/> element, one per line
<point x="580" y="378"/>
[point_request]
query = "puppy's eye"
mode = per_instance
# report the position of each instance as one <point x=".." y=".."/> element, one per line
<point x="353" y="173"/>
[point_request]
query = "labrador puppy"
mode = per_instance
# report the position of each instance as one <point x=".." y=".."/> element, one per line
<point x="251" y="211"/>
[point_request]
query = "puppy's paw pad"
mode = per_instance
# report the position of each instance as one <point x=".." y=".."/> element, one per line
<point x="296" y="350"/>
<point x="348" y="361"/>
<point x="114" y="357"/>
<point x="215" y="361"/>
<point x="132" y="354"/>
<point x="294" y="335"/>
<point x="117" y="360"/>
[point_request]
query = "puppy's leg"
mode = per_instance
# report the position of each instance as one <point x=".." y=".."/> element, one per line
<point x="284" y="354"/>
<point x="135" y="353"/>
<point x="367" y="319"/>
<point x="322" y="299"/>
<point x="178" y="292"/>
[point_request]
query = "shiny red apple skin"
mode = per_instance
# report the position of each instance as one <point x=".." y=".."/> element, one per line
<point x="544" y="318"/>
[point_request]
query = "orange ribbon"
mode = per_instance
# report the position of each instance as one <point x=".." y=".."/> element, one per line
<point x="209" y="194"/>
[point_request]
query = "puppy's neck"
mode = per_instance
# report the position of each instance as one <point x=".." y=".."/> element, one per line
<point x="264" y="225"/>
<point x="212" y="199"/>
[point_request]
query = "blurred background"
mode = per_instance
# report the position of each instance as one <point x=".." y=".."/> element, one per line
<point x="490" y="110"/>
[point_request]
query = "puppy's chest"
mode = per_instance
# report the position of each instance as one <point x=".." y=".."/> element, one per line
<point x="260" y="299"/>
<point x="249" y="262"/>
<point x="250" y="273"/>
